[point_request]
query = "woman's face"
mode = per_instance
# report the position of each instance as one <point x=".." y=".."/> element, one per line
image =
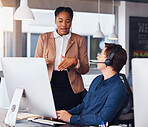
<point x="63" y="22"/>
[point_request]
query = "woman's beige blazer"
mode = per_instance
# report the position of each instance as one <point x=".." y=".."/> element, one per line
<point x="76" y="48"/>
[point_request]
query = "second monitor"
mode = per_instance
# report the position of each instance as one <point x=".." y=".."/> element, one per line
<point x="140" y="91"/>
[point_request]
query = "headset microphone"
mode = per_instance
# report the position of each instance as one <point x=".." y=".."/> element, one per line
<point x="95" y="62"/>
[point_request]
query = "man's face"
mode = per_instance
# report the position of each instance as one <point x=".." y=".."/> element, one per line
<point x="101" y="57"/>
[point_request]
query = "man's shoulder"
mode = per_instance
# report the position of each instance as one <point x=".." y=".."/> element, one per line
<point x="99" y="77"/>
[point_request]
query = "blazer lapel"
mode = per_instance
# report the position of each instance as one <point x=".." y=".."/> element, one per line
<point x="70" y="43"/>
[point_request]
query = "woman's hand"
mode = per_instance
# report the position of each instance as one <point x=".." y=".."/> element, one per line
<point x="66" y="63"/>
<point x="63" y="115"/>
<point x="46" y="56"/>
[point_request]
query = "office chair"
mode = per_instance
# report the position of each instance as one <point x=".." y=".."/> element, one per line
<point x="127" y="114"/>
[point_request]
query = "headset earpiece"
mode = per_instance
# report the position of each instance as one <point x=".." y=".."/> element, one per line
<point x="109" y="61"/>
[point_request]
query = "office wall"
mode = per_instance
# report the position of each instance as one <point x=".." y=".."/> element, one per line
<point x="127" y="9"/>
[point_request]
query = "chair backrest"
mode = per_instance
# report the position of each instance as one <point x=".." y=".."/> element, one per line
<point x="129" y="102"/>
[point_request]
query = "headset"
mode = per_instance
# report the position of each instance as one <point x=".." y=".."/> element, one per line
<point x="109" y="61"/>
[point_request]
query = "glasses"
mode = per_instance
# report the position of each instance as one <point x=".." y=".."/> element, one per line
<point x="99" y="54"/>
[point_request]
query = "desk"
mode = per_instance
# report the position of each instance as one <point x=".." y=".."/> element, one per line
<point x="25" y="123"/>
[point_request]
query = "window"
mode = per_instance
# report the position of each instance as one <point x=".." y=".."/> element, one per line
<point x="34" y="40"/>
<point x="94" y="45"/>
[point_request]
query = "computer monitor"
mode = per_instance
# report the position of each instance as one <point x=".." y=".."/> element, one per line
<point x="140" y="91"/>
<point x="30" y="74"/>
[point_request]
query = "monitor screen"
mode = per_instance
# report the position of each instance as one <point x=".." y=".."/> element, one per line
<point x="30" y="74"/>
<point x="140" y="91"/>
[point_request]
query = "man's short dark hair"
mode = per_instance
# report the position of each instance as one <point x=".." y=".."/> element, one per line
<point x="120" y="57"/>
<point x="66" y="9"/>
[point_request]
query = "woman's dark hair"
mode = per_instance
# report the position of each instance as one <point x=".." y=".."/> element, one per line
<point x="66" y="9"/>
<point x="120" y="57"/>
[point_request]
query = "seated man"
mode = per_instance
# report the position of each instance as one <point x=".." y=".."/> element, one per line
<point x="107" y="93"/>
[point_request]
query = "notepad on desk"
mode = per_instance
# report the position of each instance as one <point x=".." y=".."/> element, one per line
<point x="21" y="116"/>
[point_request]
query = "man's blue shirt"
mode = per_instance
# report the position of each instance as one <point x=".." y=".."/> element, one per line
<point x="103" y="102"/>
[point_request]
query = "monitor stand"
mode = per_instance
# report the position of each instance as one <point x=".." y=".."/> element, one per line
<point x="14" y="107"/>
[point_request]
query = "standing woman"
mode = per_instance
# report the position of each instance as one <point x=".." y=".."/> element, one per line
<point x="66" y="57"/>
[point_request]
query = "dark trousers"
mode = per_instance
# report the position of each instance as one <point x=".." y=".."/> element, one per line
<point x="64" y="97"/>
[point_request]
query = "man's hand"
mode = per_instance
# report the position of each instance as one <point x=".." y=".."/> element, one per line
<point x="63" y="115"/>
<point x="46" y="56"/>
<point x="66" y="63"/>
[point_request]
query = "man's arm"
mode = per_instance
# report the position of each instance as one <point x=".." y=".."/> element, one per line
<point x="76" y="110"/>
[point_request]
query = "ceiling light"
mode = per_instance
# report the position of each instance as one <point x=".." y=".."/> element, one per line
<point x="113" y="36"/>
<point x="23" y="12"/>
<point x="98" y="33"/>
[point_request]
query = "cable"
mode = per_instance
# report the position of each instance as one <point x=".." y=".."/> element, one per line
<point x="25" y="110"/>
